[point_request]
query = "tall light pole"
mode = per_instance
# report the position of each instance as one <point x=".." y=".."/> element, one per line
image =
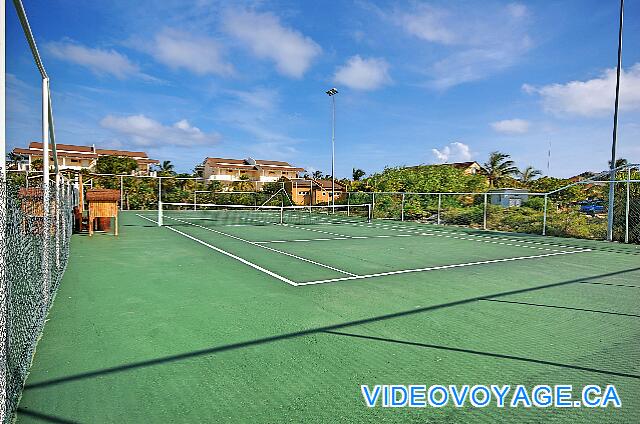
<point x="615" y="132"/>
<point x="332" y="92"/>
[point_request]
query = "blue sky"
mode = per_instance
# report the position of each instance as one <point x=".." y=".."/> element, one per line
<point x="419" y="82"/>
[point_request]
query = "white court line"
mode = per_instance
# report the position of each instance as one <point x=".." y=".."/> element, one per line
<point x="335" y="238"/>
<point x="315" y="230"/>
<point x="414" y="229"/>
<point x="267" y="247"/>
<point x="224" y="252"/>
<point x="434" y="268"/>
<point x="444" y="231"/>
<point x="453" y="235"/>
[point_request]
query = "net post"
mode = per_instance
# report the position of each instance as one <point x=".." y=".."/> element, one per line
<point x="348" y="203"/>
<point x="402" y="209"/>
<point x="544" y="215"/>
<point x="160" y="202"/>
<point x="439" y="206"/>
<point x="626" y="214"/>
<point x="369" y="212"/>
<point x="484" y="218"/>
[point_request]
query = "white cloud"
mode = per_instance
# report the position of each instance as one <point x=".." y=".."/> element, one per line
<point x="452" y="152"/>
<point x="430" y="24"/>
<point x="99" y="61"/>
<point x="511" y="126"/>
<point x="517" y="10"/>
<point x="267" y="38"/>
<point x="481" y="42"/>
<point x="260" y="98"/>
<point x="145" y="131"/>
<point x="363" y="74"/>
<point x="594" y="97"/>
<point x="198" y="54"/>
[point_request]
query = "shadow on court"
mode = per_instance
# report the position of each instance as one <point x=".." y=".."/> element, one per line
<point x="331" y="329"/>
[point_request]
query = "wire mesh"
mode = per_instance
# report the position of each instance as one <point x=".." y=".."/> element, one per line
<point x="578" y="210"/>
<point x="36" y="224"/>
<point x="234" y="215"/>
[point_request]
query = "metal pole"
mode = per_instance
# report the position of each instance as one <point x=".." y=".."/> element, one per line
<point x="3" y="132"/>
<point x="121" y="192"/>
<point x="195" y="200"/>
<point x="57" y="217"/>
<point x="615" y="131"/>
<point x="333" y="154"/>
<point x="484" y="222"/>
<point x="544" y="216"/>
<point x="4" y="297"/>
<point x="160" y="202"/>
<point x="46" y="193"/>
<point x="373" y="203"/>
<point x="402" y="210"/>
<point x="626" y="214"/>
<point x="349" y="203"/>
<point x="439" y="206"/>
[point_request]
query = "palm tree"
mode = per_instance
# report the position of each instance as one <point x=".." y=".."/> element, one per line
<point x="620" y="162"/>
<point x="14" y="159"/>
<point x="166" y="168"/>
<point x="529" y="174"/>
<point x="498" y="167"/>
<point x="357" y="174"/>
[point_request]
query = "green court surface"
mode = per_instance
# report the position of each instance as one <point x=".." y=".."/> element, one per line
<point x="202" y="322"/>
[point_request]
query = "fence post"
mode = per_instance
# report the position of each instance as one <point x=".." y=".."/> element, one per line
<point x="373" y="203"/>
<point x="57" y="210"/>
<point x="544" y="216"/>
<point x="195" y="200"/>
<point x="402" y="210"/>
<point x="121" y="189"/>
<point x="348" y="203"/>
<point x="626" y="214"/>
<point x="439" y="206"/>
<point x="484" y="220"/>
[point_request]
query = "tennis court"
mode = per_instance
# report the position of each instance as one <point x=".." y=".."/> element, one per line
<point x="258" y="316"/>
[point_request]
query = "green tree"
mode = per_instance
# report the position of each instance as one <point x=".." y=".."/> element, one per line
<point x="529" y="174"/>
<point x="166" y="169"/>
<point x="13" y="159"/>
<point x="619" y="162"/>
<point x="499" y="167"/>
<point x="116" y="165"/>
<point x="37" y="164"/>
<point x="357" y="174"/>
<point x="317" y="175"/>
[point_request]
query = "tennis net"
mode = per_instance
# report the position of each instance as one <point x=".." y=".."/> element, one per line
<point x="212" y="214"/>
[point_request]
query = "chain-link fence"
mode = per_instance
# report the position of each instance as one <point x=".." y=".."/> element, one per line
<point x="578" y="210"/>
<point x="36" y="224"/>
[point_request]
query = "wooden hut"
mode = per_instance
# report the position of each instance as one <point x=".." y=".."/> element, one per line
<point x="103" y="203"/>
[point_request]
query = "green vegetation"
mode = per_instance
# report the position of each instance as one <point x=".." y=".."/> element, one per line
<point x="499" y="168"/>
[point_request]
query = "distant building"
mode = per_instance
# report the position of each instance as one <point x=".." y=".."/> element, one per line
<point x="469" y="168"/>
<point x="314" y="192"/>
<point x="264" y="171"/>
<point x="508" y="197"/>
<point x="79" y="157"/>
